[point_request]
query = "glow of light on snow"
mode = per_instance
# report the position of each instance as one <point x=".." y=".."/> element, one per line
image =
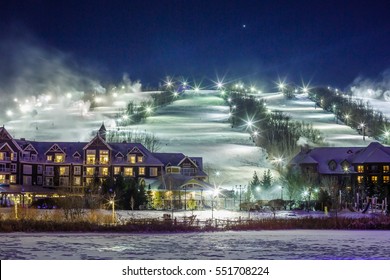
<point x="9" y="113"/>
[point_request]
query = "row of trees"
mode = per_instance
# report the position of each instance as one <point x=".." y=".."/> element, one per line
<point x="353" y="112"/>
<point x="149" y="140"/>
<point x="272" y="130"/>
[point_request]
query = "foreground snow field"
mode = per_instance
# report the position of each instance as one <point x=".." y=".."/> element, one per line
<point x="272" y="245"/>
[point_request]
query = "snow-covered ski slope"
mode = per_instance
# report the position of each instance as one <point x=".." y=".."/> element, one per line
<point x="196" y="124"/>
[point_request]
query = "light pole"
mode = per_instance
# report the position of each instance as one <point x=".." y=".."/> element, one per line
<point x="281" y="192"/>
<point x="112" y="202"/>
<point x="363" y="128"/>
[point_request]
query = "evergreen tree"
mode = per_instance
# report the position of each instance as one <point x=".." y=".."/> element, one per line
<point x="254" y="185"/>
<point x="266" y="180"/>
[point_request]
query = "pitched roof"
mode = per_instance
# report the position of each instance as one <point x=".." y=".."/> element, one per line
<point x="373" y="153"/>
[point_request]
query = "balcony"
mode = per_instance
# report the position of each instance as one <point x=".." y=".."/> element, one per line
<point x="4" y="159"/>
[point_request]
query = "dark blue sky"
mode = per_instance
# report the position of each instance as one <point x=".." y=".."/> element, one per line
<point x="327" y="42"/>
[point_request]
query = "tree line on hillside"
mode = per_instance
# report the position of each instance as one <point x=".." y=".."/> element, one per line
<point x="355" y="113"/>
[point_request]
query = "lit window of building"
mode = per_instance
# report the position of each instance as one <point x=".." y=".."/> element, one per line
<point x="386" y="169"/>
<point x="141" y="171"/>
<point x="360" y="168"/>
<point x="12" y="179"/>
<point x="117" y="170"/>
<point x="64" y="171"/>
<point x="104" y="171"/>
<point x="59" y="158"/>
<point x="2" y="156"/>
<point x="386" y="179"/>
<point x="77" y="181"/>
<point x="131" y="158"/>
<point x="360" y="179"/>
<point x="374" y="179"/>
<point x="49" y="158"/>
<point x="128" y="171"/>
<point x="103" y="156"/>
<point x="140" y="159"/>
<point x="2" y="179"/>
<point x="90" y="171"/>
<point x="91" y="156"/>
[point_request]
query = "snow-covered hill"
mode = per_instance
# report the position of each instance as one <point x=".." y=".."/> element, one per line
<point x="196" y="124"/>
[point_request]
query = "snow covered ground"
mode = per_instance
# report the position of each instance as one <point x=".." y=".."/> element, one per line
<point x="270" y="245"/>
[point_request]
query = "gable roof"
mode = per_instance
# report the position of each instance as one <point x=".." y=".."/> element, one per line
<point x="373" y="153"/>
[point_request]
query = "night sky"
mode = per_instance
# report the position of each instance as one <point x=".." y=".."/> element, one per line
<point x="325" y="42"/>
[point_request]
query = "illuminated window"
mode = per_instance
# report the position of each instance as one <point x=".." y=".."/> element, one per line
<point x="91" y="155"/>
<point x="59" y="158"/>
<point x="90" y="171"/>
<point x="128" y="171"/>
<point x="141" y="171"/>
<point x="49" y="158"/>
<point x="2" y="179"/>
<point x="2" y="156"/>
<point x="14" y="156"/>
<point x="103" y="156"/>
<point x="89" y="181"/>
<point x="386" y="179"/>
<point x="386" y="169"/>
<point x="12" y="179"/>
<point x="104" y="171"/>
<point x="140" y="159"/>
<point x="117" y="170"/>
<point x="131" y="158"/>
<point x="374" y="179"/>
<point x="360" y="179"/>
<point x="64" y="171"/>
<point x="360" y="168"/>
<point x="77" y="181"/>
<point x="153" y="171"/>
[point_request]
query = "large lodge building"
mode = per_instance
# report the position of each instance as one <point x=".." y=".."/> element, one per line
<point x="30" y="169"/>
<point x="357" y="173"/>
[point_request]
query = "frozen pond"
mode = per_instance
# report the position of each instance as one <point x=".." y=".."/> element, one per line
<point x="273" y="245"/>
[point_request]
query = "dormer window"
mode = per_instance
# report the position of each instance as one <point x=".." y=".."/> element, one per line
<point x="332" y="165"/>
<point x="131" y="158"/>
<point x="345" y="165"/>
<point x="140" y="159"/>
<point x="49" y="158"/>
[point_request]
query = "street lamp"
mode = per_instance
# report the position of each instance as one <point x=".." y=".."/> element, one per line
<point x="363" y="128"/>
<point x="112" y="203"/>
<point x="214" y="194"/>
<point x="281" y="192"/>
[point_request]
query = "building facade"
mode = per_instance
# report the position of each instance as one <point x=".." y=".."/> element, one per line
<point x="34" y="168"/>
<point x="357" y="172"/>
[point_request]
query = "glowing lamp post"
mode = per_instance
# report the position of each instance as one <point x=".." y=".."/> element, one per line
<point x="214" y="195"/>
<point x="363" y="128"/>
<point x="112" y="203"/>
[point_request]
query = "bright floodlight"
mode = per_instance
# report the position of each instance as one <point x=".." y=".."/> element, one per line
<point x="69" y="95"/>
<point x="15" y="99"/>
<point x="197" y="89"/>
<point x="9" y="113"/>
<point x="281" y="86"/>
<point x="255" y="133"/>
<point x="148" y="109"/>
<point x="229" y="100"/>
<point x="219" y="85"/>
<point x="125" y="117"/>
<point x="387" y="134"/>
<point x="216" y="192"/>
<point x="305" y="89"/>
<point x="175" y="94"/>
<point x="253" y="89"/>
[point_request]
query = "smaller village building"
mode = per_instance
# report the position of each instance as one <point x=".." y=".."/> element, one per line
<point x="356" y="173"/>
<point x="33" y="169"/>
